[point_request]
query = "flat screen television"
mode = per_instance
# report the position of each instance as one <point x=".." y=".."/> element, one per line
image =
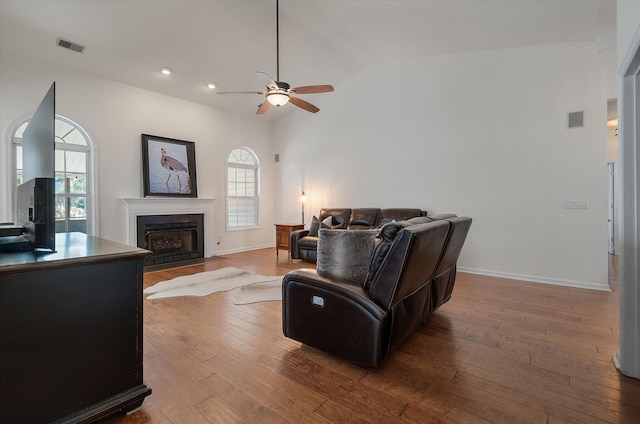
<point x="36" y="195"/>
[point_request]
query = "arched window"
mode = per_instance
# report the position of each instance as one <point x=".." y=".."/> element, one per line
<point x="243" y="189"/>
<point x="73" y="176"/>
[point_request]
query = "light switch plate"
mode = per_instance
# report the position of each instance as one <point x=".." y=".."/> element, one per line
<point x="576" y="204"/>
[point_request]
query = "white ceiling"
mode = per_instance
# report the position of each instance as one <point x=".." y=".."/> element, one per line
<point x="321" y="41"/>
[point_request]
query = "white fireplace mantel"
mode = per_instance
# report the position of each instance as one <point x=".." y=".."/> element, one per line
<point x="139" y="206"/>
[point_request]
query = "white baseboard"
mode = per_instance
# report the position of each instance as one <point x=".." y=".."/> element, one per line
<point x="616" y="360"/>
<point x="243" y="249"/>
<point x="531" y="278"/>
<point x="536" y="279"/>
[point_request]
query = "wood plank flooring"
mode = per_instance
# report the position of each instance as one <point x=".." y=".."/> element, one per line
<point x="500" y="351"/>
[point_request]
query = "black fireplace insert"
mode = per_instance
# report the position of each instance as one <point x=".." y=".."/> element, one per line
<point x="172" y="239"/>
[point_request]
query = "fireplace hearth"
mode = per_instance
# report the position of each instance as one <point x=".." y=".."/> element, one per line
<point x="172" y="239"/>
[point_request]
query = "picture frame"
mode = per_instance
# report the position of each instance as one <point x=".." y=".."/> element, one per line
<point x="168" y="167"/>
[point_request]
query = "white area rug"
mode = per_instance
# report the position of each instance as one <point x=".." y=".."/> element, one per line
<point x="246" y="287"/>
<point x="258" y="292"/>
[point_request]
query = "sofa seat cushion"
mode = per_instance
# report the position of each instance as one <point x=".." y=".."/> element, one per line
<point x="308" y="242"/>
<point x="345" y="254"/>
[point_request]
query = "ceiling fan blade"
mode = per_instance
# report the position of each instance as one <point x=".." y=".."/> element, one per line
<point x="303" y="104"/>
<point x="309" y="89"/>
<point x="267" y="80"/>
<point x="240" y="92"/>
<point x="263" y="108"/>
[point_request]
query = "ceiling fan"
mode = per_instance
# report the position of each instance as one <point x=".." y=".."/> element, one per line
<point x="279" y="93"/>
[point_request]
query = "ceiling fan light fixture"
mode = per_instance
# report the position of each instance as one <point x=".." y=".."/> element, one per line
<point x="279" y="93"/>
<point x="277" y="98"/>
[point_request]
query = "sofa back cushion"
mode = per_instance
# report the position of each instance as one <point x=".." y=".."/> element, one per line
<point x="389" y="230"/>
<point x="410" y="262"/>
<point x="403" y="281"/>
<point x="363" y="218"/>
<point x="444" y="275"/>
<point x="459" y="230"/>
<point x="340" y="216"/>
<point x="442" y="216"/>
<point x="386" y="235"/>
<point x="397" y="214"/>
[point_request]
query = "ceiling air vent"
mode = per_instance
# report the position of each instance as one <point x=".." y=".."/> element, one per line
<point x="71" y="46"/>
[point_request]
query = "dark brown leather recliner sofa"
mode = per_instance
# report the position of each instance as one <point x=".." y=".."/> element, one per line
<point x="412" y="273"/>
<point x="304" y="244"/>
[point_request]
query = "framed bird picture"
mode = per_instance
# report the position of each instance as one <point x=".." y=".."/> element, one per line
<point x="168" y="167"/>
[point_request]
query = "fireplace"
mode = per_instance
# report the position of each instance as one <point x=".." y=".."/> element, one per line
<point x="149" y="207"/>
<point x="172" y="239"/>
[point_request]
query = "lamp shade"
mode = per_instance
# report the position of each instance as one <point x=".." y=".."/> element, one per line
<point x="277" y="98"/>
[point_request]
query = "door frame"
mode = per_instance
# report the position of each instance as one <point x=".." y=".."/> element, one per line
<point x="627" y="359"/>
<point x="611" y="219"/>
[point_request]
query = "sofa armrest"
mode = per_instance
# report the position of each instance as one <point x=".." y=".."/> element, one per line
<point x="293" y="242"/>
<point x="340" y="286"/>
<point x="314" y="309"/>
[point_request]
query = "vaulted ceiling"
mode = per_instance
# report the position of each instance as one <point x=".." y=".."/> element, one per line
<point x="321" y="41"/>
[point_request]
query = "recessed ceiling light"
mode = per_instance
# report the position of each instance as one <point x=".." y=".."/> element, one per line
<point x="166" y="71"/>
<point x="211" y="85"/>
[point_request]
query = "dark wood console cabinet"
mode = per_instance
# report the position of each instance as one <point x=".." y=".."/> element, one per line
<point x="71" y="332"/>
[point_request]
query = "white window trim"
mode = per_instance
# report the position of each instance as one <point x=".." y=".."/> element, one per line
<point x="258" y="168"/>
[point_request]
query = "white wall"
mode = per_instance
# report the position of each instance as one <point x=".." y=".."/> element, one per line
<point x="481" y="134"/>
<point x="116" y="115"/>
<point x="628" y="21"/>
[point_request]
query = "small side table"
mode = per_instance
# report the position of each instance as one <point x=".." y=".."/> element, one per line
<point x="283" y="234"/>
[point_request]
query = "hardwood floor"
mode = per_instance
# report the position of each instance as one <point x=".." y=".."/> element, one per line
<point x="500" y="351"/>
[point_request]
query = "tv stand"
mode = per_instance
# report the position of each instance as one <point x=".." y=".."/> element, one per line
<point x="71" y="332"/>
